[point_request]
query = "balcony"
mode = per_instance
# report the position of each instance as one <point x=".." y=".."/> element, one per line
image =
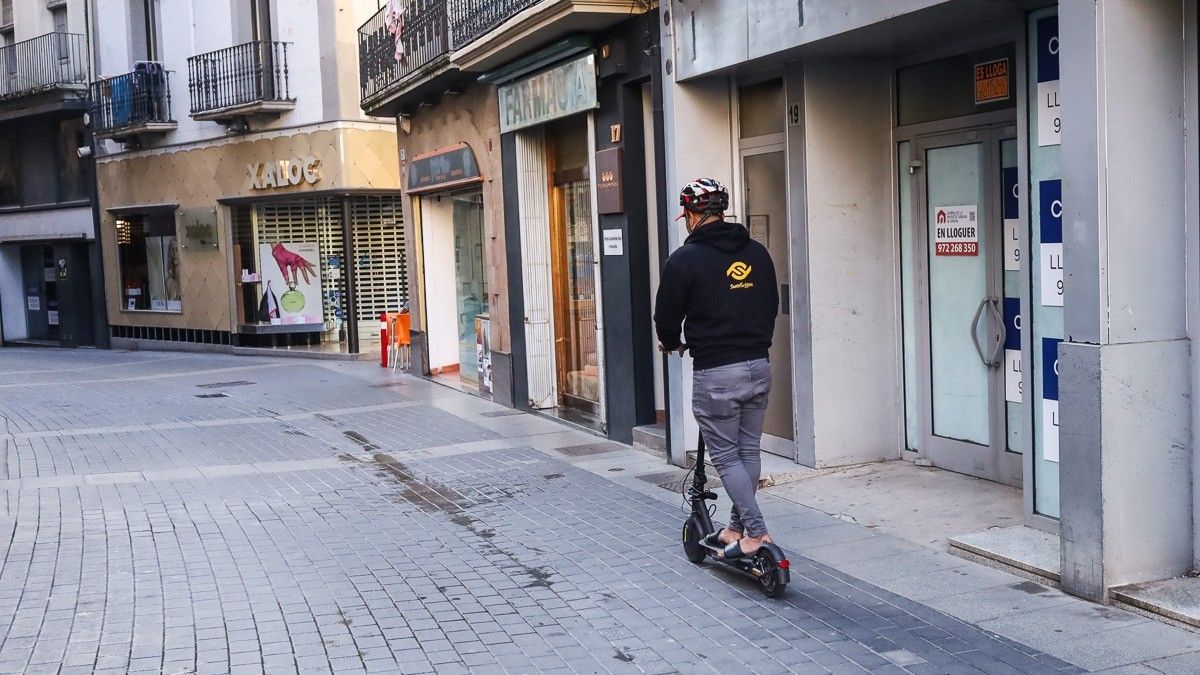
<point x="487" y="34"/>
<point x="474" y="18"/>
<point x="45" y="70"/>
<point x="129" y="107"/>
<point x="238" y="82"/>
<point x="426" y="42"/>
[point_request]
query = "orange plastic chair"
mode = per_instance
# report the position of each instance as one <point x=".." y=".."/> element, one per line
<point x="400" y="327"/>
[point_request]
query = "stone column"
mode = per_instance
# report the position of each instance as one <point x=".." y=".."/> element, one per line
<point x="1124" y="366"/>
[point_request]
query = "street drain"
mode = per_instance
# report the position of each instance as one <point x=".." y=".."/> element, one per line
<point x="589" y="449"/>
<point x="501" y="413"/>
<point x="212" y="396"/>
<point x="673" y="480"/>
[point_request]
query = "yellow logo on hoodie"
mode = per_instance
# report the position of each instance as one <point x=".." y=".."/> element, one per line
<point x="738" y="271"/>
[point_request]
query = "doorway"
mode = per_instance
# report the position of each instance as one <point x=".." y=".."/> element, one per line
<point x="454" y="297"/>
<point x="56" y="300"/>
<point x="959" y="303"/>
<point x="764" y="171"/>
<point x="573" y="266"/>
<point x="762" y="151"/>
<point x="42" y="313"/>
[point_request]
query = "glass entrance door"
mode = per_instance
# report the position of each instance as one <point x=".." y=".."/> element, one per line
<point x="960" y="304"/>
<point x="765" y="174"/>
<point x="470" y="287"/>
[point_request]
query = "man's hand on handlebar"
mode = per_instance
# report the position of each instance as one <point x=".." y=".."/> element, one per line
<point x="681" y="349"/>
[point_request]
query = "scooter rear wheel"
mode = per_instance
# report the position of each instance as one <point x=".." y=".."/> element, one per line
<point x="771" y="580"/>
<point x="691" y="541"/>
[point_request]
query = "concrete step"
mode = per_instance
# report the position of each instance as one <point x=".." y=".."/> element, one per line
<point x="1175" y="600"/>
<point x="651" y="438"/>
<point x="1028" y="552"/>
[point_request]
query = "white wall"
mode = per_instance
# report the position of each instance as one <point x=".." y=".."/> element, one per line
<point x="31" y="18"/>
<point x="441" y="300"/>
<point x="12" y="294"/>
<point x="688" y="107"/>
<point x="53" y="224"/>
<point x="852" y="262"/>
<point x="318" y="35"/>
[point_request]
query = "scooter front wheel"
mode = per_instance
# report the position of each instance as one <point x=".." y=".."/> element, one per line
<point x="692" y="535"/>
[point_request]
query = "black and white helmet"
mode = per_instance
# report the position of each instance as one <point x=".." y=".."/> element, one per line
<point x="704" y="195"/>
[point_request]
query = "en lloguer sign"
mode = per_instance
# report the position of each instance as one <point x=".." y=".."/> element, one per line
<point x="565" y="89"/>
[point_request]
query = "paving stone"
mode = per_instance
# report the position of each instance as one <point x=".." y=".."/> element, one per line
<point x="291" y="527"/>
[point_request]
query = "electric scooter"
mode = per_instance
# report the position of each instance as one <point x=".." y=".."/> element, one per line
<point x="768" y="564"/>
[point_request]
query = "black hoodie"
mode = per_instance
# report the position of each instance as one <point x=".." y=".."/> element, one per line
<point x="723" y="284"/>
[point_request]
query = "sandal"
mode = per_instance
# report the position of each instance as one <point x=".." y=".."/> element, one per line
<point x="734" y="551"/>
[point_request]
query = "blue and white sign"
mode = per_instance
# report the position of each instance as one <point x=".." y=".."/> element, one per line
<point x="1014" y="381"/>
<point x="1050" y="210"/>
<point x="1050" y="399"/>
<point x="1049" y="114"/>
<point x="1012" y="220"/>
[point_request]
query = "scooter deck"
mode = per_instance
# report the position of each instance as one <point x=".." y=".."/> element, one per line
<point x="714" y="552"/>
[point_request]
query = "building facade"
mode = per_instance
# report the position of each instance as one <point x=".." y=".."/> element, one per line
<point x="527" y="151"/>
<point x="50" y="290"/>
<point x="245" y="199"/>
<point x="984" y="216"/>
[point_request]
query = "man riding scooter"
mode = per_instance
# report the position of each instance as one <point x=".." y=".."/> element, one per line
<point x="720" y="289"/>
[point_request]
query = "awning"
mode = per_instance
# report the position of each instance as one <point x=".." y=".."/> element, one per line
<point x="141" y="209"/>
<point x="443" y="169"/>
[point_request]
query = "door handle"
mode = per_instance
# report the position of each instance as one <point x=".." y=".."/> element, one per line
<point x="991" y="359"/>
<point x="975" y="330"/>
<point x="1001" y="335"/>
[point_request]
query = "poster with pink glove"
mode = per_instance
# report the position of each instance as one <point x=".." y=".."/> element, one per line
<point x="292" y="271"/>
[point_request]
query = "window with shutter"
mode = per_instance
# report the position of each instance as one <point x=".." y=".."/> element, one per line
<point x="6" y="13"/>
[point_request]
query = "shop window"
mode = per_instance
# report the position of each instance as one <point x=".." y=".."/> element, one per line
<point x="148" y="255"/>
<point x="290" y="268"/>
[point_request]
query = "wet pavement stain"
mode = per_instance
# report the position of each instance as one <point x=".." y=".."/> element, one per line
<point x="361" y="440"/>
<point x="225" y="385"/>
<point x="1031" y="588"/>
<point x="430" y="495"/>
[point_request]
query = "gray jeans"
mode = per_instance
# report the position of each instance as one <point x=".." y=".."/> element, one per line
<point x="730" y="405"/>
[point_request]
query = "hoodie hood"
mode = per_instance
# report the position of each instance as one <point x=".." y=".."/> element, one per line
<point x="724" y="235"/>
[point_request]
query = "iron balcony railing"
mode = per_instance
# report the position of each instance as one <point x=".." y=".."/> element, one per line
<point x="133" y="99"/>
<point x="255" y="72"/>
<point x="470" y="19"/>
<point x="424" y="37"/>
<point x="52" y="61"/>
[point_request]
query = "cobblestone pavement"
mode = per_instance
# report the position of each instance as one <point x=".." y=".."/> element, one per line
<point x="178" y="513"/>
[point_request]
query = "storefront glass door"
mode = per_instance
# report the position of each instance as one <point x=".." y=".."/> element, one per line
<point x="765" y="174"/>
<point x="961" y="311"/>
<point x="575" y="298"/>
<point x="470" y="287"/>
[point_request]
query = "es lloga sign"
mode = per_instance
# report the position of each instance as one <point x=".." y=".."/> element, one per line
<point x="284" y="173"/>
